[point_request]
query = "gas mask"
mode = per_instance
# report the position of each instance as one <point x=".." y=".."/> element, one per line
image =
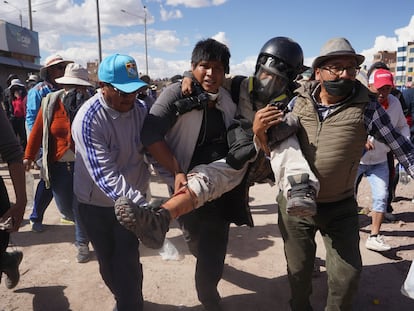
<point x="269" y="87"/>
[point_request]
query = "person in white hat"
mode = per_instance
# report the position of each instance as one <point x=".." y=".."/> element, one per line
<point x="52" y="132"/>
<point x="336" y="114"/>
<point x="17" y="109"/>
<point x="53" y="68"/>
<point x="7" y="99"/>
<point x="31" y="81"/>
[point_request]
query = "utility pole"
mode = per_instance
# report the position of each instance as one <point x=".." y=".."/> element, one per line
<point x="30" y="15"/>
<point x="99" y="31"/>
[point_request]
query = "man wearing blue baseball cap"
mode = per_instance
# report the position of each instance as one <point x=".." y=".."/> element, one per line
<point x="110" y="164"/>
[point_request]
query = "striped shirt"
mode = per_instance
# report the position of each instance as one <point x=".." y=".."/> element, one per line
<point x="109" y="157"/>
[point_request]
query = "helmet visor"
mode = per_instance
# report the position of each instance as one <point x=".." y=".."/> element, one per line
<point x="271" y="86"/>
<point x="277" y="66"/>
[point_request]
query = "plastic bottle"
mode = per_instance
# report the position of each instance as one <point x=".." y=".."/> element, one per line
<point x="169" y="252"/>
<point x="404" y="177"/>
<point x="29" y="189"/>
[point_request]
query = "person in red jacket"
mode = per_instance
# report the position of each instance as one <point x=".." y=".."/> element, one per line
<point x="17" y="117"/>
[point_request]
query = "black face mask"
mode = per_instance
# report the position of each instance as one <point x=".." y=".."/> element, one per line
<point x="339" y="87"/>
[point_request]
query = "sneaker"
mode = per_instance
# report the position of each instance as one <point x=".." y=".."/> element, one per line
<point x="83" y="253"/>
<point x="376" y="243"/>
<point x="37" y="226"/>
<point x="390" y="217"/>
<point x="66" y="221"/>
<point x="301" y="197"/>
<point x="149" y="223"/>
<point x="10" y="266"/>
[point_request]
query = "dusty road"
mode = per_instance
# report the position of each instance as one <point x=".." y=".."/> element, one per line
<point x="254" y="277"/>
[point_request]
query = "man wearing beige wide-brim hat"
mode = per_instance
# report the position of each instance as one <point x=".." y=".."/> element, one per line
<point x="336" y="115"/>
<point x="53" y="68"/>
<point x="57" y="112"/>
<point x="51" y="62"/>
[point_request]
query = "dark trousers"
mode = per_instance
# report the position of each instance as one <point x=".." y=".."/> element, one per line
<point x="19" y="127"/>
<point x="4" y="206"/>
<point x="206" y="232"/>
<point x="393" y="180"/>
<point x="339" y="227"/>
<point x="117" y="251"/>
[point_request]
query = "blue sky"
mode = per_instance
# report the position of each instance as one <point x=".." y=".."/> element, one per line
<point x="69" y="27"/>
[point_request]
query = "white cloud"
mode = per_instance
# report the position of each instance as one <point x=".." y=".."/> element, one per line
<point x="245" y="68"/>
<point x="221" y="37"/>
<point x="164" y="40"/>
<point x="195" y="3"/>
<point x="383" y="43"/>
<point x="406" y="33"/>
<point x="167" y="15"/>
<point x="70" y="28"/>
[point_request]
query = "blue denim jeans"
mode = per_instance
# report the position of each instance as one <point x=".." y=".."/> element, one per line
<point x="61" y="181"/>
<point x="42" y="199"/>
<point x="378" y="178"/>
<point x="117" y="251"/>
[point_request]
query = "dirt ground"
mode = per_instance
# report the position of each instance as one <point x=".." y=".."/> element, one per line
<point x="255" y="273"/>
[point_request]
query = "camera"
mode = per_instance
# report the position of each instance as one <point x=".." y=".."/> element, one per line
<point x="198" y="100"/>
<point x="281" y="105"/>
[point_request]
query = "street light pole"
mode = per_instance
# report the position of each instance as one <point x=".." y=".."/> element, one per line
<point x="99" y="31"/>
<point x="20" y="12"/>
<point x="146" y="45"/>
<point x="30" y="15"/>
<point x="145" y="34"/>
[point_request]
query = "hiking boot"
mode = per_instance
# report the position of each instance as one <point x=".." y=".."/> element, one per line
<point x="377" y="243"/>
<point x="10" y="266"/>
<point x="83" y="253"/>
<point x="150" y="223"/>
<point x="301" y="200"/>
<point x="37" y="226"/>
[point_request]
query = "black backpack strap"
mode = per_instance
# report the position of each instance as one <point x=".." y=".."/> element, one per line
<point x="235" y="88"/>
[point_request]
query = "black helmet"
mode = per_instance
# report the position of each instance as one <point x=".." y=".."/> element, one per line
<point x="281" y="55"/>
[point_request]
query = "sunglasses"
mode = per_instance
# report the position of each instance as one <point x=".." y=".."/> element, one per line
<point x="121" y="93"/>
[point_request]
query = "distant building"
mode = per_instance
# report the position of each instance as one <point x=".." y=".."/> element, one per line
<point x="387" y="57"/>
<point x="405" y="64"/>
<point x="92" y="68"/>
<point x="410" y="65"/>
<point x="19" y="52"/>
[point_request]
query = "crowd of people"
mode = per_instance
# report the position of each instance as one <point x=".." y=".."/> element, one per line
<point x="314" y="138"/>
